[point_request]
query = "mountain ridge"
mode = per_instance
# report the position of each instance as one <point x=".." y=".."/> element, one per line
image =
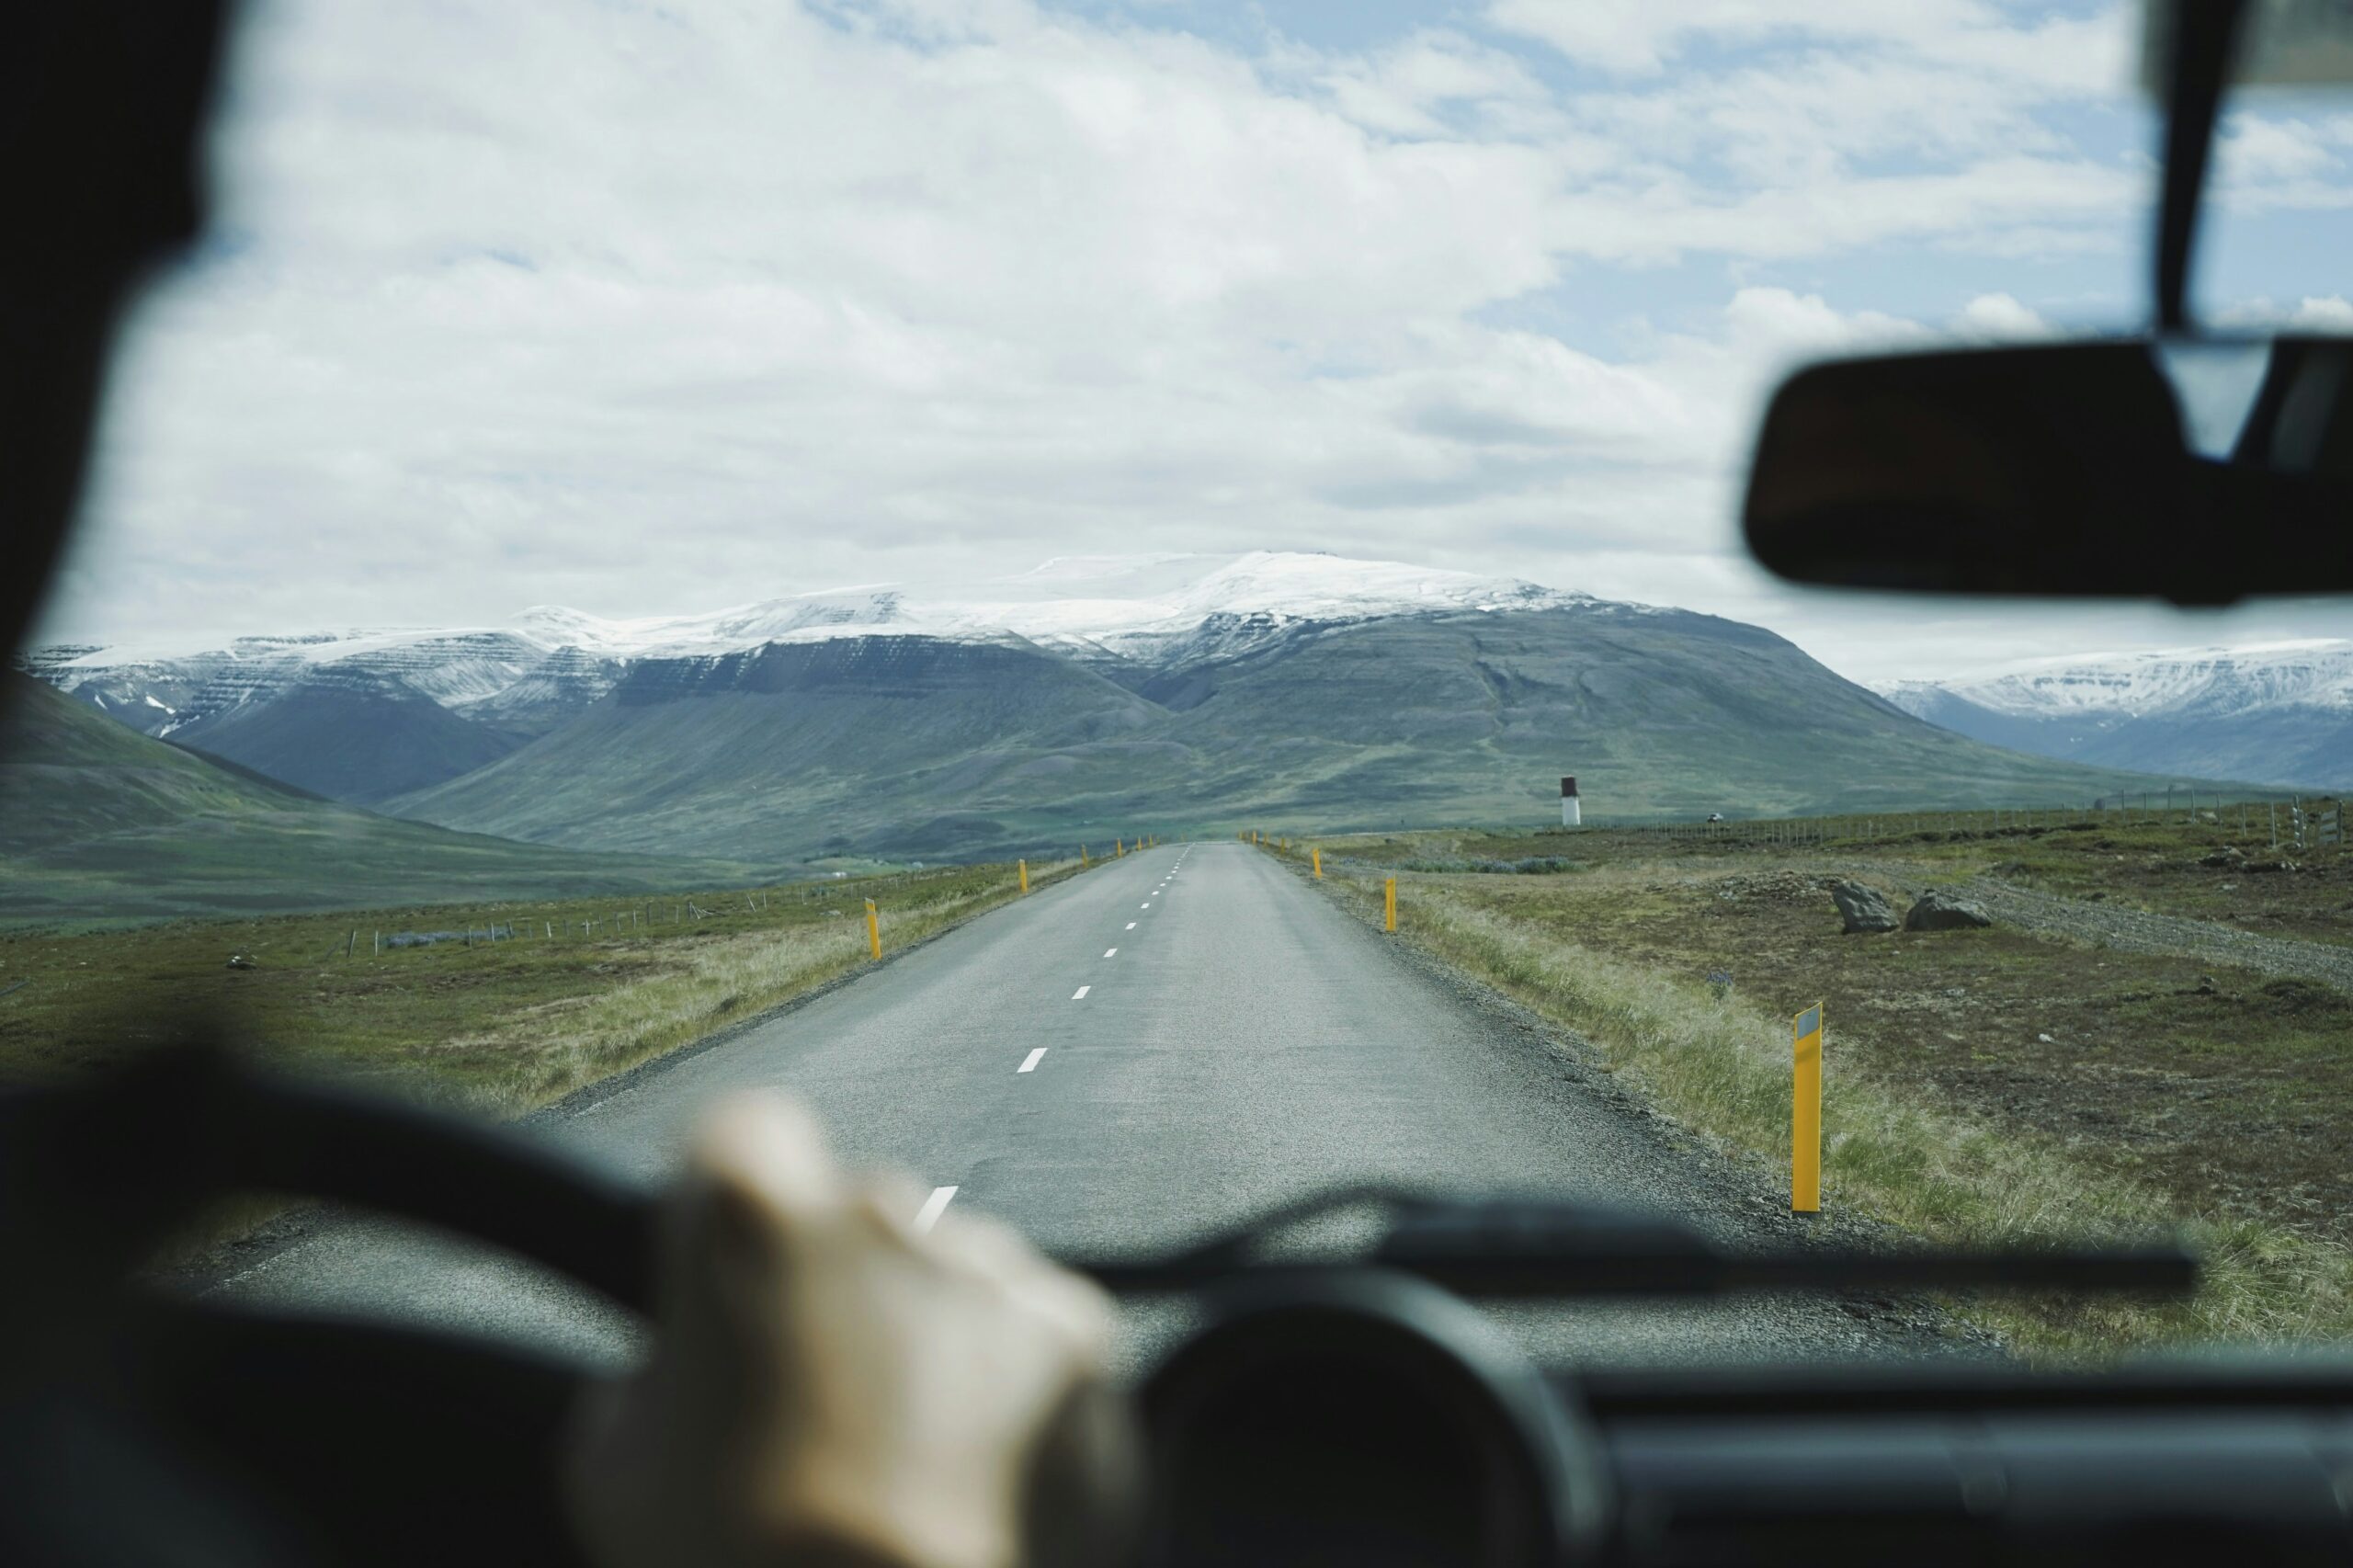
<point x="2277" y="713"/>
<point x="1460" y="717"/>
<point x="1077" y="699"/>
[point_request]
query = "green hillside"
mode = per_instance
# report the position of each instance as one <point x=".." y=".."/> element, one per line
<point x="362" y="745"/>
<point x="910" y="745"/>
<point x="98" y="823"/>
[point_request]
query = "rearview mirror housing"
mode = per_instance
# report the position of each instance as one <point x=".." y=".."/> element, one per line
<point x="2059" y="469"/>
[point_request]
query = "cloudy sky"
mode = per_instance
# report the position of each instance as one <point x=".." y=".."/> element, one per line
<point x="651" y="308"/>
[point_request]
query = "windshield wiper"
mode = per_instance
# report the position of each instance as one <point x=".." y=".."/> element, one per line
<point x="1537" y="1247"/>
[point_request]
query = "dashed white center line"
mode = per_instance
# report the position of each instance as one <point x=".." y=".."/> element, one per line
<point x="1109" y="952"/>
<point x="1145" y="904"/>
<point x="1080" y="994"/>
<point x="1030" y="1063"/>
<point x="933" y="1208"/>
<point x="1131" y="925"/>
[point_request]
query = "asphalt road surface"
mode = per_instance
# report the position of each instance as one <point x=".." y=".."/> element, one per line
<point x="1126" y="1060"/>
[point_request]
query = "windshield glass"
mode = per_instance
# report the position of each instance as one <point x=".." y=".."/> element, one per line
<point x="1141" y="603"/>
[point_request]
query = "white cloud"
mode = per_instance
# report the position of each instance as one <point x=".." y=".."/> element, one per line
<point x="2001" y="316"/>
<point x="642" y="308"/>
<point x="2313" y="313"/>
<point x="1643" y="35"/>
<point x="2331" y="312"/>
<point x="1409" y="88"/>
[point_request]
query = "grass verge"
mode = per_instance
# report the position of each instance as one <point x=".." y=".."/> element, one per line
<point x="581" y="990"/>
<point x="1719" y="1063"/>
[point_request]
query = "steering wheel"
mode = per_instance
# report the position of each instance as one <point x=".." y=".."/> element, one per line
<point x="1358" y="1416"/>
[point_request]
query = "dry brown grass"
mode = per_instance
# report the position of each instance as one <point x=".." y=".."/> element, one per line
<point x="550" y="1052"/>
<point x="1719" y="1064"/>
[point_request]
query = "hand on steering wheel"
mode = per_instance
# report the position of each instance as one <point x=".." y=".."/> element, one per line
<point x="829" y="1385"/>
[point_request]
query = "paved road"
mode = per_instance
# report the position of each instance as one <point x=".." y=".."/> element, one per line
<point x="1127" y="1060"/>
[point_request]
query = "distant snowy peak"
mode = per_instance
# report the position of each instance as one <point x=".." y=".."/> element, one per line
<point x="2311" y="673"/>
<point x="1126" y="606"/>
<point x="1169" y="611"/>
<point x="833" y="613"/>
<point x="1109" y="604"/>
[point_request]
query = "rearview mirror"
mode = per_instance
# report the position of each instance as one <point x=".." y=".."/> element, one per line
<point x="2198" y="471"/>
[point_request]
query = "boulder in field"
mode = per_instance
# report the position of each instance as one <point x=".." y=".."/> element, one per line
<point x="1940" y="911"/>
<point x="1864" y="909"/>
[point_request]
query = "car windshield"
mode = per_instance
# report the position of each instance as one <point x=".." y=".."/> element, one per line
<point x="1143" y="603"/>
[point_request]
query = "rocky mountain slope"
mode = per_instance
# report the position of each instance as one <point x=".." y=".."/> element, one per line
<point x="2278" y="713"/>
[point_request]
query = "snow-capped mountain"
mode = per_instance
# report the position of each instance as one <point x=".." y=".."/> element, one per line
<point x="1128" y="606"/>
<point x="1075" y="703"/>
<point x="436" y="701"/>
<point x="2274" y="712"/>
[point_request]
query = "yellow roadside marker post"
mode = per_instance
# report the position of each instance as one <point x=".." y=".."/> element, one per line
<point x="1391" y="896"/>
<point x="1082" y="861"/>
<point x="1118" y="849"/>
<point x="873" y="930"/>
<point x="1319" y="865"/>
<point x="1024" y="867"/>
<point x="1805" y="1113"/>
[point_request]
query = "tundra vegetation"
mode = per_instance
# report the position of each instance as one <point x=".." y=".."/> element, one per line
<point x="572" y="991"/>
<point x="2156" y="1042"/>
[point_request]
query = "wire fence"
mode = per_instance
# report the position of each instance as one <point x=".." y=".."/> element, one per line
<point x="2304" y="824"/>
<point x="542" y="923"/>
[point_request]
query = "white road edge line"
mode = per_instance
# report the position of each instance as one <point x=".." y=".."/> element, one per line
<point x="1080" y="994"/>
<point x="933" y="1208"/>
<point x="1030" y="1063"/>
